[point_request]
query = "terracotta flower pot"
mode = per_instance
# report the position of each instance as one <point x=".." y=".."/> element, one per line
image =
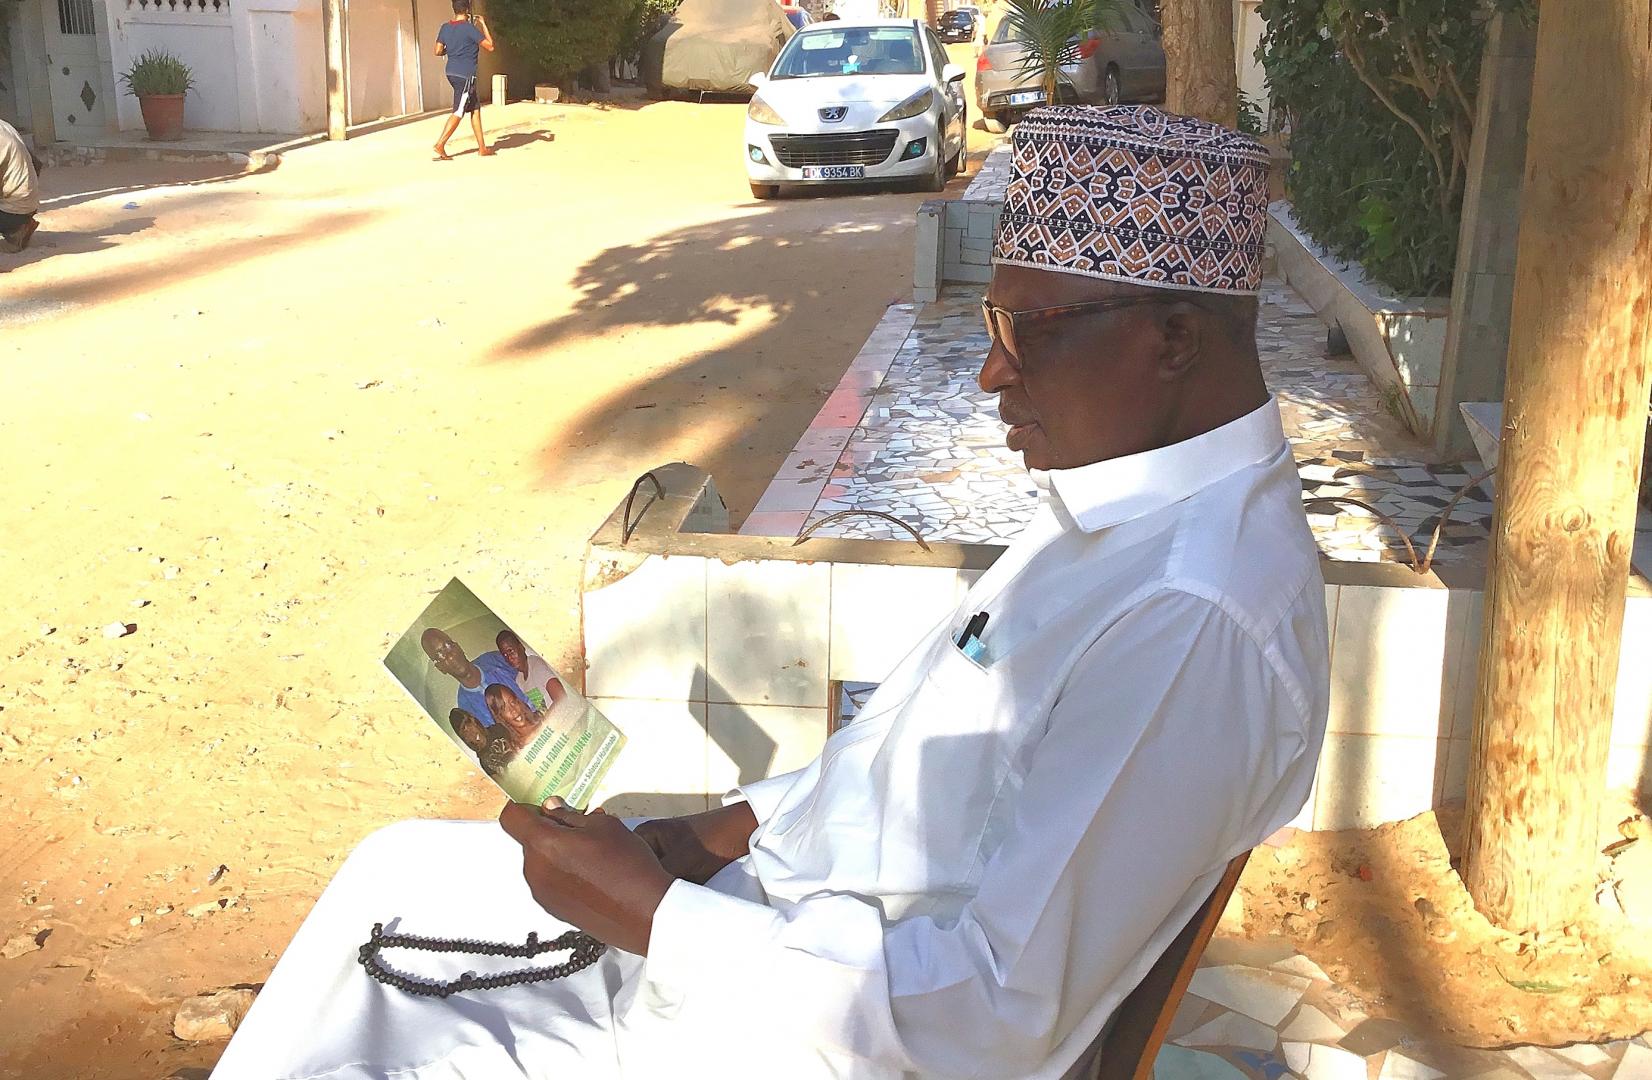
<point x="163" y="115"/>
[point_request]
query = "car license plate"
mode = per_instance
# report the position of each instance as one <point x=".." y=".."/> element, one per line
<point x="834" y="172"/>
<point x="1027" y="97"/>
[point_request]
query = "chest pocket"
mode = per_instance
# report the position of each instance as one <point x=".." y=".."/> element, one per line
<point x="901" y="805"/>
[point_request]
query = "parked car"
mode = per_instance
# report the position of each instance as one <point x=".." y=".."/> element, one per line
<point x="1122" y="61"/>
<point x="713" y="46"/>
<point x="796" y="16"/>
<point x="869" y="100"/>
<point x="958" y="25"/>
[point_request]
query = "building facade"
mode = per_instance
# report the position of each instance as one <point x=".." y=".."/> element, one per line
<point x="259" y="66"/>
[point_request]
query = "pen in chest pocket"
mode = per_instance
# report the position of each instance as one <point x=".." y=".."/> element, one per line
<point x="969" y="642"/>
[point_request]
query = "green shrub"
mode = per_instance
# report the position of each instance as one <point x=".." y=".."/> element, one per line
<point x="645" y="20"/>
<point x="1379" y="99"/>
<point x="158" y="72"/>
<point x="563" y="38"/>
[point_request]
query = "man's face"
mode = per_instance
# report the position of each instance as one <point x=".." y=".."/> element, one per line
<point x="1084" y="388"/>
<point x="512" y="649"/>
<point x="445" y="653"/>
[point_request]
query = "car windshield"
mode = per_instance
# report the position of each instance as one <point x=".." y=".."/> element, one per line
<point x="854" y="50"/>
<point x="957" y="18"/>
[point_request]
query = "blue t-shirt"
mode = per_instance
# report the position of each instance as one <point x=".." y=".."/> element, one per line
<point x="494" y="669"/>
<point x="463" y="43"/>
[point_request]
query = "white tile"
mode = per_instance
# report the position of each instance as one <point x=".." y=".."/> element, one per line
<point x="1313" y="1061"/>
<point x="1261" y="995"/>
<point x="1454" y="776"/>
<point x="1632" y="720"/>
<point x="879" y="613"/>
<point x="1629" y="767"/>
<point x="1311" y="1025"/>
<point x="1543" y="1065"/>
<point x="664" y="758"/>
<point x="1636" y="1063"/>
<point x="1302" y="966"/>
<point x="1461" y="680"/>
<point x="1583" y="1054"/>
<point x="767" y="625"/>
<point x="1366" y="781"/>
<point x="1233" y="1030"/>
<point x="1333" y="596"/>
<point x="1399" y="1067"/>
<point x="1388" y="661"/>
<point x="1179" y="1063"/>
<point x="645" y="633"/>
<point x="750" y="742"/>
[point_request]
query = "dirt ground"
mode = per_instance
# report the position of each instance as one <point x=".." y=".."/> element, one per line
<point x="1385" y="914"/>
<point x="259" y="419"/>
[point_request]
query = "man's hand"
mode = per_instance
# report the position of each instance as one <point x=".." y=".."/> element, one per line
<point x="589" y="870"/>
<point x="697" y="846"/>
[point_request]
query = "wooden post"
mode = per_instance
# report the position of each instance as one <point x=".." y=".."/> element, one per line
<point x="1574" y="417"/>
<point x="335" y="29"/>
<point x="1201" y="73"/>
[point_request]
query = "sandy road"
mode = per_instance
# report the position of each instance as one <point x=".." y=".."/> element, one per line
<point x="261" y="418"/>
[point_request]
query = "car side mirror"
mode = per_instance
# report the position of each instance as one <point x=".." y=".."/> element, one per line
<point x="757" y="78"/>
<point x="952" y="73"/>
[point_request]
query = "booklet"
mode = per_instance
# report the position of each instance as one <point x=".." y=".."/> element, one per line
<point x="501" y="703"/>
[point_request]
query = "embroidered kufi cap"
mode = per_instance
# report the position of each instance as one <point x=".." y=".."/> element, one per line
<point x="1132" y="193"/>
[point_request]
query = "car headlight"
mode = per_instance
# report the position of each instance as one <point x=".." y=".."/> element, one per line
<point x="916" y="105"/>
<point x="761" y="112"/>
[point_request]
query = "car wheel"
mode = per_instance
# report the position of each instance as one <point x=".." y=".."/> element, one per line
<point x="1110" y="87"/>
<point x="764" y="191"/>
<point x="937" y="178"/>
<point x="994" y="122"/>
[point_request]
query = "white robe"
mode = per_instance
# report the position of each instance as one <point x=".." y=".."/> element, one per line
<point x="972" y="875"/>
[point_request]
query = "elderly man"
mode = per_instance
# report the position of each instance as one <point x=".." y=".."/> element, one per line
<point x="978" y="869"/>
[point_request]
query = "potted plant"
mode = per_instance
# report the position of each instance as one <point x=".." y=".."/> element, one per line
<point x="159" y="81"/>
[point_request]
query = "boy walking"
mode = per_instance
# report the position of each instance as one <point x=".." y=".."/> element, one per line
<point x="461" y="41"/>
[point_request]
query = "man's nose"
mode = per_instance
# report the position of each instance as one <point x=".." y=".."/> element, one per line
<point x="997" y="373"/>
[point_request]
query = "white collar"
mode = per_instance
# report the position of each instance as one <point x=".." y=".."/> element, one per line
<point x="1116" y="490"/>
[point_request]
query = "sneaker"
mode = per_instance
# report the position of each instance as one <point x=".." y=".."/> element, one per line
<point x="19" y="240"/>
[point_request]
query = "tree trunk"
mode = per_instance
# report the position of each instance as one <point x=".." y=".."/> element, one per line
<point x="1574" y="421"/>
<point x="597" y="75"/>
<point x="1202" y="75"/>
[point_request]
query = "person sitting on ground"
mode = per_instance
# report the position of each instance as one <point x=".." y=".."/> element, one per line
<point x="19" y="191"/>
<point x="1034" y="803"/>
<point x="492" y="745"/>
<point x="520" y="721"/>
<point x="473" y="676"/>
<point x="534" y="676"/>
<point x="460" y="40"/>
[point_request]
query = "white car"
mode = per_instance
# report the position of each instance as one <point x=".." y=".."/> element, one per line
<point x="847" y="101"/>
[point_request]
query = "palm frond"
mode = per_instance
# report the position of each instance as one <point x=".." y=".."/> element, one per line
<point x="1049" y="32"/>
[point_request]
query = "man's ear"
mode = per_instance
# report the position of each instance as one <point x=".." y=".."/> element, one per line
<point x="1182" y="331"/>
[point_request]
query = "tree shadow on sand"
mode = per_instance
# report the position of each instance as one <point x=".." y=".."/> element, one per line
<point x="817" y="277"/>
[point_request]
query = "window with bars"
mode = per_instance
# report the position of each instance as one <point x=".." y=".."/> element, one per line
<point x="75" y="17"/>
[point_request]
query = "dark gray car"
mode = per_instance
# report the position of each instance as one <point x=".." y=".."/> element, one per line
<point x="1123" y="61"/>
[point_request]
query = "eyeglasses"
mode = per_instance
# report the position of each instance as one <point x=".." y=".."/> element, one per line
<point x="1001" y="321"/>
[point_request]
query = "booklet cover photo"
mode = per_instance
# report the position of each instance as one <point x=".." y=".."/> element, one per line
<point x="501" y="703"/>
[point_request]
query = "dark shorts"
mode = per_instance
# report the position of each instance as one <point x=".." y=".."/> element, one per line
<point x="10" y="223"/>
<point x="465" y="99"/>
